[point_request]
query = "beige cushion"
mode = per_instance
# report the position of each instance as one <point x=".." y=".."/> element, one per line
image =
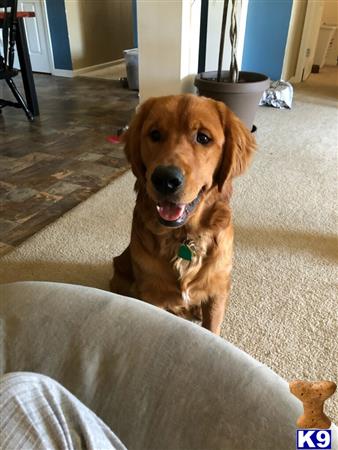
<point x="158" y="381"/>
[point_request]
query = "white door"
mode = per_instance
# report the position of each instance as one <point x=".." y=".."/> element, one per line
<point x="313" y="17"/>
<point x="37" y="35"/>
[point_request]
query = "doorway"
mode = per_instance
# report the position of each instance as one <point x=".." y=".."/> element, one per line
<point x="302" y="51"/>
<point x="321" y="87"/>
<point x="37" y="33"/>
<point x="313" y="17"/>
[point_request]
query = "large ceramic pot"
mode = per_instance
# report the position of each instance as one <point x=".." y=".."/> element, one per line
<point x="242" y="97"/>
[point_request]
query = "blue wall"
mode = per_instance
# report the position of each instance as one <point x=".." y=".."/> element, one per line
<point x="134" y="14"/>
<point x="59" y="34"/>
<point x="265" y="37"/>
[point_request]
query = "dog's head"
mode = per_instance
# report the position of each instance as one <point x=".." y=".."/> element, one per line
<point x="180" y="147"/>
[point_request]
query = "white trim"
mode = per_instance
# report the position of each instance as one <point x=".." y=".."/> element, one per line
<point x="63" y="73"/>
<point x="47" y="35"/>
<point x="190" y="33"/>
<point x="50" y="45"/>
<point x="241" y="35"/>
<point x="293" y="24"/>
<point x="84" y="70"/>
<point x="310" y="33"/>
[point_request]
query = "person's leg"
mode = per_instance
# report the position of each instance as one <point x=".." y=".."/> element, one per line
<point x="37" y="412"/>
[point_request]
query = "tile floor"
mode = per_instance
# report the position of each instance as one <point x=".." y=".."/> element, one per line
<point x="49" y="166"/>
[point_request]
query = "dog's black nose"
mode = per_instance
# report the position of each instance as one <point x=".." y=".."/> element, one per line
<point x="167" y="179"/>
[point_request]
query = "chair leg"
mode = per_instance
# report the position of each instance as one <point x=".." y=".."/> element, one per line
<point x="19" y="98"/>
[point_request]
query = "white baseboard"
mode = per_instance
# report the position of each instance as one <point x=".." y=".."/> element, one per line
<point x="63" y="73"/>
<point x="85" y="70"/>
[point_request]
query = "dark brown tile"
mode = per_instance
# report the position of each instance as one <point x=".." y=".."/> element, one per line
<point x="19" y="195"/>
<point x="5" y="188"/>
<point x="63" y="188"/>
<point x="6" y="226"/>
<point x="88" y="157"/>
<point x="89" y="173"/>
<point x="9" y="165"/>
<point x="50" y="165"/>
<point x="4" y="248"/>
<point x="20" y="212"/>
<point x="114" y="162"/>
<point x="38" y="221"/>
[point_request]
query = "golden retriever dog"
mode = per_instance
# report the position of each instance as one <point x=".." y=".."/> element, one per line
<point x="184" y="151"/>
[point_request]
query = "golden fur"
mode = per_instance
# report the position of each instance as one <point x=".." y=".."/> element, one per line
<point x="150" y="268"/>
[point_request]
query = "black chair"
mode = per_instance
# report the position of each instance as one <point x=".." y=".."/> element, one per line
<point x="7" y="72"/>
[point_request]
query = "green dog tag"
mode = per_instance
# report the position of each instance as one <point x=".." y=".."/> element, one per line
<point x="185" y="252"/>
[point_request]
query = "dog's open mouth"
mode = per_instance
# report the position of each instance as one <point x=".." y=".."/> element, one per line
<point x="176" y="214"/>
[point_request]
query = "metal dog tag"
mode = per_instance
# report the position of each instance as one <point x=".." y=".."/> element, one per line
<point x="185" y="252"/>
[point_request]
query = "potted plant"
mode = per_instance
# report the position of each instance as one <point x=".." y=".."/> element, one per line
<point x="240" y="91"/>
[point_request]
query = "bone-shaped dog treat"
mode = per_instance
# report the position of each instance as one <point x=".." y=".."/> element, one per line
<point x="313" y="396"/>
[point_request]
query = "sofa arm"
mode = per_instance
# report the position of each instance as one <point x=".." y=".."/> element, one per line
<point x="158" y="381"/>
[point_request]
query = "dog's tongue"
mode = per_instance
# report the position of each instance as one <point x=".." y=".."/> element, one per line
<point x="169" y="211"/>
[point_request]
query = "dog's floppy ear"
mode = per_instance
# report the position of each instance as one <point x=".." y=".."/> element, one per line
<point x="238" y="147"/>
<point x="132" y="139"/>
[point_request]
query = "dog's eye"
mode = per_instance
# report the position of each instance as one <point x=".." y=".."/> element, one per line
<point x="155" y="135"/>
<point x="202" y="138"/>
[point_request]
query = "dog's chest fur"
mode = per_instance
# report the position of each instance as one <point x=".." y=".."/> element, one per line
<point x="187" y="271"/>
<point x="206" y="235"/>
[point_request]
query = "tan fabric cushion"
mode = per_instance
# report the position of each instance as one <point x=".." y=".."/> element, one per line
<point x="158" y="381"/>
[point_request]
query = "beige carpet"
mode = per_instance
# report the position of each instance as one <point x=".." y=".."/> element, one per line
<point x="283" y="308"/>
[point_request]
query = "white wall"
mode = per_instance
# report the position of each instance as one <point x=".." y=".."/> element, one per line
<point x="215" y="15"/>
<point x="325" y="11"/>
<point x="168" y="39"/>
<point x="99" y="31"/>
<point x="330" y="17"/>
<point x="313" y="20"/>
<point x="330" y="12"/>
<point x="304" y="53"/>
<point x="294" y="39"/>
